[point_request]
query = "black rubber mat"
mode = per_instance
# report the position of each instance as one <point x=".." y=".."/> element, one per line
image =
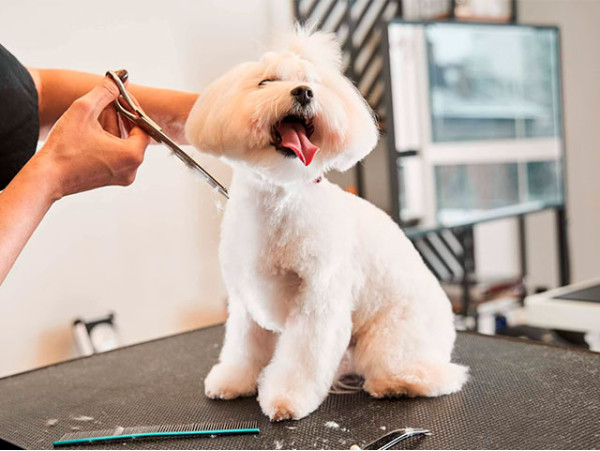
<point x="520" y="395"/>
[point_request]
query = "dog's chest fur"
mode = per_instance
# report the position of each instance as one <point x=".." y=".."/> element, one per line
<point x="271" y="244"/>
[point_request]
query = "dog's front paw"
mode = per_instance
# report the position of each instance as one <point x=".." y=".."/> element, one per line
<point x="280" y="400"/>
<point x="229" y="382"/>
<point x="285" y="406"/>
<point x="281" y="408"/>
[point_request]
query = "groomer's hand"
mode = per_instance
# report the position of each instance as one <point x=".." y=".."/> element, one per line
<point x="87" y="149"/>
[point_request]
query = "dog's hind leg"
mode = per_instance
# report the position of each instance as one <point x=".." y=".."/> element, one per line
<point x="399" y="355"/>
<point x="246" y="350"/>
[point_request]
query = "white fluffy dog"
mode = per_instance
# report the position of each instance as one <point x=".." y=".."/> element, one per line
<point x="313" y="271"/>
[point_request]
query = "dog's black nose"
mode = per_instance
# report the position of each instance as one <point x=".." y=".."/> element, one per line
<point x="302" y="94"/>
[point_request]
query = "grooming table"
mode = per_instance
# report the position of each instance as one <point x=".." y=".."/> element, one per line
<point x="521" y="395"/>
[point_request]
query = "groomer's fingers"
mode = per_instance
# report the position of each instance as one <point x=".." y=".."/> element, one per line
<point x="136" y="145"/>
<point x="124" y="126"/>
<point x="98" y="98"/>
<point x="109" y="121"/>
<point x="138" y="138"/>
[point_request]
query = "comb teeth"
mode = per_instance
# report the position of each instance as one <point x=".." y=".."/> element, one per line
<point x="237" y="427"/>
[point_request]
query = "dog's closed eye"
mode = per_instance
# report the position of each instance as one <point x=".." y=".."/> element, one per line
<point x="266" y="80"/>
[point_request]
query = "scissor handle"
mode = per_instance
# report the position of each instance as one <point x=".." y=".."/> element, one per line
<point x="132" y="110"/>
<point x="142" y="121"/>
<point x="119" y="77"/>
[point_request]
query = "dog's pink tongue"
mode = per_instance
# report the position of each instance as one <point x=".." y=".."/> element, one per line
<point x="293" y="136"/>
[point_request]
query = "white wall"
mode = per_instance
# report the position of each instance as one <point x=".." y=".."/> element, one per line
<point x="149" y="251"/>
<point x="579" y="22"/>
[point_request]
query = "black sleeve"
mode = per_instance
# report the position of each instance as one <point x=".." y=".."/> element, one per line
<point x="19" y="121"/>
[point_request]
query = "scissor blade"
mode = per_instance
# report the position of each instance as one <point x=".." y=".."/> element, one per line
<point x="191" y="163"/>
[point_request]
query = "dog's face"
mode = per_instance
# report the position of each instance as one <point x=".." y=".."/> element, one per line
<point x="289" y="117"/>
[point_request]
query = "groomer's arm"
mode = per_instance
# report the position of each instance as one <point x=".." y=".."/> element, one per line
<point x="80" y="154"/>
<point x="58" y="88"/>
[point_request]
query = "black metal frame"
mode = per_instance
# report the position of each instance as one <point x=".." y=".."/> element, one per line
<point x="467" y="240"/>
<point x="390" y="132"/>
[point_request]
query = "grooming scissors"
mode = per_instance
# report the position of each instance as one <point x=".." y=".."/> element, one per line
<point x="394" y="437"/>
<point x="138" y="117"/>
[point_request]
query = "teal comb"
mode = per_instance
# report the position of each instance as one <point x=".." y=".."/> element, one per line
<point x="150" y="432"/>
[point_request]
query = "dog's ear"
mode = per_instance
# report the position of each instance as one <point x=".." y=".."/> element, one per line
<point x="320" y="48"/>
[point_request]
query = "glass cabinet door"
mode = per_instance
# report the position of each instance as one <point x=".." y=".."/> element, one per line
<point x="478" y="108"/>
<point x="488" y="82"/>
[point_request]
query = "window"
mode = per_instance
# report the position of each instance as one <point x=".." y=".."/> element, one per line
<point x="487" y="82"/>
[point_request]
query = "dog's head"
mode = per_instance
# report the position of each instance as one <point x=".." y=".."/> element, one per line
<point x="291" y="116"/>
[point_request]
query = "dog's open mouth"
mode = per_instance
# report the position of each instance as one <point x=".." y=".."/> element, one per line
<point x="291" y="137"/>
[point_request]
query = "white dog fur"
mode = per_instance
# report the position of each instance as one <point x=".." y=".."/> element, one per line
<point x="313" y="272"/>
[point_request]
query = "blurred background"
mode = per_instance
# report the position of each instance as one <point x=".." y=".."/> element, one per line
<point x="489" y="150"/>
